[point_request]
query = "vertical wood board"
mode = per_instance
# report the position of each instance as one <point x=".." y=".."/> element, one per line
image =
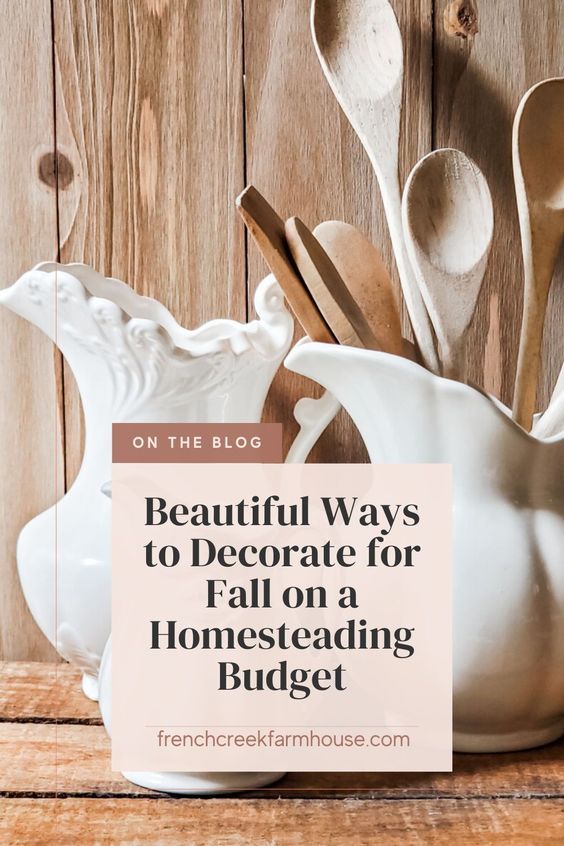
<point x="150" y="119"/>
<point x="31" y="465"/>
<point x="477" y="86"/>
<point x="304" y="156"/>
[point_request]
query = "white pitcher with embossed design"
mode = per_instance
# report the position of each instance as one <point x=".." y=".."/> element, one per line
<point x="132" y="363"/>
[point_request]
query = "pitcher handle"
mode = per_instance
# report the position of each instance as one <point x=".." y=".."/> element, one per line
<point x="313" y="416"/>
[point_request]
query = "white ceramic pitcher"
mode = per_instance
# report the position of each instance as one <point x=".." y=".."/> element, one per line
<point x="187" y="784"/>
<point x="132" y="362"/>
<point x="508" y="532"/>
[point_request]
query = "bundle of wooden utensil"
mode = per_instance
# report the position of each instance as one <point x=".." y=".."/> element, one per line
<point x="441" y="230"/>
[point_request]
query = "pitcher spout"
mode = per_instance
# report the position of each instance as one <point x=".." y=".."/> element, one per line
<point x="382" y="393"/>
<point x="406" y="414"/>
<point x="27" y="299"/>
<point x="347" y="372"/>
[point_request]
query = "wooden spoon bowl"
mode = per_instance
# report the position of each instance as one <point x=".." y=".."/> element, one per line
<point x="331" y="295"/>
<point x="363" y="271"/>
<point x="448" y="222"/>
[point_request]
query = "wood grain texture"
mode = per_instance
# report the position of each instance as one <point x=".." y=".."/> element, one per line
<point x="360" y="48"/>
<point x="477" y="86"/>
<point x="56" y="787"/>
<point x="150" y="117"/>
<point x="237" y="822"/>
<point x="37" y="694"/>
<point x="303" y="155"/>
<point x="31" y="466"/>
<point x="267" y="231"/>
<point x="36" y="691"/>
<point x="29" y="753"/>
<point x="340" y="309"/>
<point x="538" y="165"/>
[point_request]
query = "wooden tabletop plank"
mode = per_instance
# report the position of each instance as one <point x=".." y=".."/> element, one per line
<point x="75" y="759"/>
<point x="509" y="799"/>
<point x="34" y="691"/>
<point x="234" y="822"/>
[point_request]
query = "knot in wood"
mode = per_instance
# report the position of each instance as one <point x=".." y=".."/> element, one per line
<point x="461" y="19"/>
<point x="55" y="170"/>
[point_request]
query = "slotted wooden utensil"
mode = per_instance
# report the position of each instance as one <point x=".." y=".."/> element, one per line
<point x="267" y="229"/>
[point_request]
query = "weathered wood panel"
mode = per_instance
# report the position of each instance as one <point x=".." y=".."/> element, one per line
<point x="303" y="155"/>
<point x="477" y="86"/>
<point x="81" y="753"/>
<point x="234" y="822"/>
<point x="31" y="467"/>
<point x="37" y="691"/>
<point x="514" y="798"/>
<point x="36" y="694"/>
<point x="150" y="118"/>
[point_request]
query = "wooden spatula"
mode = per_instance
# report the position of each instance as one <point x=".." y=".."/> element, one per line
<point x="267" y="229"/>
<point x="335" y="302"/>
<point x="365" y="275"/>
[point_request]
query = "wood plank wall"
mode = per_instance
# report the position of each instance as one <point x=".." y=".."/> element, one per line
<point x="158" y="112"/>
<point x="31" y="448"/>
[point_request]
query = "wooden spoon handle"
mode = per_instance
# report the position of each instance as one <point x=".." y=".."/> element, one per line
<point x="528" y="362"/>
<point x="540" y="252"/>
<point x="418" y="315"/>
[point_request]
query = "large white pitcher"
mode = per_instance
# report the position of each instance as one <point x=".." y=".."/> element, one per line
<point x="508" y="532"/>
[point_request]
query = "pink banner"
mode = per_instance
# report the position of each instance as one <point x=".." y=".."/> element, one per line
<point x="186" y="443"/>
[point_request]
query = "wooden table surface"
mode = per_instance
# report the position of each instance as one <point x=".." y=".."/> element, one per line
<point x="56" y="787"/>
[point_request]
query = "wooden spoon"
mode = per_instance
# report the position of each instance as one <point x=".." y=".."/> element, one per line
<point x="538" y="165"/>
<point x="336" y="303"/>
<point x="267" y="229"/>
<point x="358" y="43"/>
<point x="364" y="273"/>
<point x="448" y="222"/>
